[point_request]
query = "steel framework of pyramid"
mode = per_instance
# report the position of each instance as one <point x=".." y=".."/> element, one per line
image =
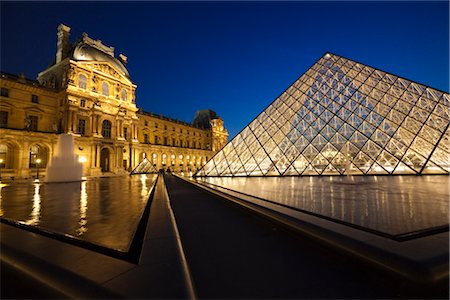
<point x="342" y="117"/>
<point x="144" y="167"/>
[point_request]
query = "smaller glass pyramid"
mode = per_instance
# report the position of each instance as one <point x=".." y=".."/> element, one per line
<point x="144" y="167"/>
<point x="342" y="117"/>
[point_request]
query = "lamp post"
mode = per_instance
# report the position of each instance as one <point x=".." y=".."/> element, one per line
<point x="38" y="161"/>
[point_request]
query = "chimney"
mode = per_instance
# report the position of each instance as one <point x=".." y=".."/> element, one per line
<point x="62" y="46"/>
<point x="123" y="59"/>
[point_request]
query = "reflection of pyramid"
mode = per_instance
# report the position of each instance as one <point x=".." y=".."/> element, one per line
<point x="144" y="167"/>
<point x="342" y="117"/>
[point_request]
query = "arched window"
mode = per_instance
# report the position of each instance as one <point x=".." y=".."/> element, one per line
<point x="106" y="129"/>
<point x="124" y="95"/>
<point x="154" y="158"/>
<point x="82" y="81"/>
<point x="164" y="159"/>
<point x="105" y="89"/>
<point x="38" y="157"/>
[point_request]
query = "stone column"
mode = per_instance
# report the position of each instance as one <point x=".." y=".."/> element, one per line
<point x="97" y="155"/>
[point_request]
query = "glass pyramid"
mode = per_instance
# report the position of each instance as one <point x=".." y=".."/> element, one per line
<point x="342" y="117"/>
<point x="144" y="167"/>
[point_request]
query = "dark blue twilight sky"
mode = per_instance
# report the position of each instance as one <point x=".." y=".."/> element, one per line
<point x="232" y="57"/>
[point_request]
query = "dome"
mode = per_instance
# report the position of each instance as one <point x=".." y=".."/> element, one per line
<point x="85" y="52"/>
<point x="203" y="118"/>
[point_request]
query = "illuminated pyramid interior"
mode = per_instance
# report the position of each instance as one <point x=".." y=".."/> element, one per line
<point x="144" y="167"/>
<point x="342" y="117"/>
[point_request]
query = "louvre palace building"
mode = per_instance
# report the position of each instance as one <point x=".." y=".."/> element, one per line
<point x="89" y="93"/>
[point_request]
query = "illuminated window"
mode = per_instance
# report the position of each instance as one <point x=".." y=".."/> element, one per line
<point x="105" y="89"/>
<point x="106" y="129"/>
<point x="3" y="155"/>
<point x="164" y="159"/>
<point x="124" y="95"/>
<point x="82" y="81"/>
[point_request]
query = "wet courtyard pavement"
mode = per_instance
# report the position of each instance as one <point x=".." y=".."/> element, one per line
<point x="102" y="211"/>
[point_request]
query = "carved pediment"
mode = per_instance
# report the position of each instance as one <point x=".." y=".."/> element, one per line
<point x="107" y="69"/>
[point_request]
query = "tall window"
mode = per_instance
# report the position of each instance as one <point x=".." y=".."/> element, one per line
<point x="164" y="159"/>
<point x="165" y="141"/>
<point x="83" y="103"/>
<point x="125" y="131"/>
<point x="82" y="126"/>
<point x="146" y="139"/>
<point x="3" y="119"/>
<point x="124" y="95"/>
<point x="105" y="89"/>
<point x="37" y="152"/>
<point x="156" y="140"/>
<point x="82" y="81"/>
<point x="4" y="92"/>
<point x="106" y="129"/>
<point x="33" y="125"/>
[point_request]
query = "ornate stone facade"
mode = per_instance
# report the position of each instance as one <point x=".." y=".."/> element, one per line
<point x="89" y="93"/>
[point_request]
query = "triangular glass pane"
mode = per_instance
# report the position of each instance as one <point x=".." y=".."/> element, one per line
<point x="403" y="169"/>
<point x="441" y="158"/>
<point x="388" y="161"/>
<point x="290" y="171"/>
<point x="300" y="164"/>
<point x="362" y="161"/>
<point x="414" y="160"/>
<point x="377" y="169"/>
<point x="432" y="168"/>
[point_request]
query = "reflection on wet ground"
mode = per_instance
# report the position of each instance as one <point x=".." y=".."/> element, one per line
<point x="103" y="211"/>
<point x="390" y="204"/>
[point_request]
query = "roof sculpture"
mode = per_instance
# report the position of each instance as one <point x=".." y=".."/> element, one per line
<point x="342" y="117"/>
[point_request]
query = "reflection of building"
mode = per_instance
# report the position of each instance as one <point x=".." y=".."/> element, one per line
<point x="342" y="117"/>
<point x="88" y="92"/>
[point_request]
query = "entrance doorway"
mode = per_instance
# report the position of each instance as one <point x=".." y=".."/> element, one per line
<point x="104" y="160"/>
